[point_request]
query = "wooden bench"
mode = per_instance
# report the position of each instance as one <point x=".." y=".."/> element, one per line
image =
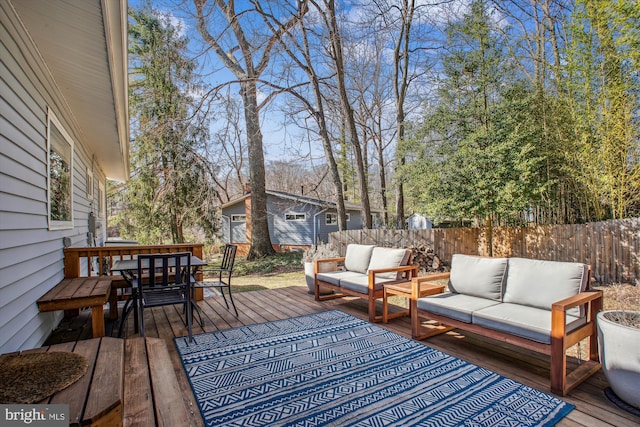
<point x="74" y="294"/>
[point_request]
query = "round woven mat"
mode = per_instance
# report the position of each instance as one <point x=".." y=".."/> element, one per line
<point x="31" y="377"/>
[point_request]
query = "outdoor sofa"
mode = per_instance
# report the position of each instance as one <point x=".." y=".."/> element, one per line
<point x="544" y="306"/>
<point x="363" y="272"/>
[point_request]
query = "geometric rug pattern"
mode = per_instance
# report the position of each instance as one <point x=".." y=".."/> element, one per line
<point x="331" y="368"/>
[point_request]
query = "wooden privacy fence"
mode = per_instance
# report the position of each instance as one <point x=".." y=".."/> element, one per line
<point x="612" y="248"/>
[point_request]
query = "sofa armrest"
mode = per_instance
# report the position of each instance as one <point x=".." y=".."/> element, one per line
<point x="371" y="274"/>
<point x="427" y="279"/>
<point x="393" y="269"/>
<point x="417" y="282"/>
<point x="577" y="300"/>
<point x="318" y="262"/>
<point x="559" y="313"/>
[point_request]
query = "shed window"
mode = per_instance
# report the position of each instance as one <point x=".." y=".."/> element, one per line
<point x="294" y="216"/>
<point x="60" y="176"/>
<point x="238" y="218"/>
<point x="332" y="218"/>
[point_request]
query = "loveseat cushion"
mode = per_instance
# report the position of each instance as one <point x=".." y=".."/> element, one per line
<point x="361" y="283"/>
<point x="455" y="306"/>
<point x="539" y="284"/>
<point x="334" y="277"/>
<point x="388" y="258"/>
<point x="478" y="276"/>
<point x="523" y="321"/>
<point x="357" y="258"/>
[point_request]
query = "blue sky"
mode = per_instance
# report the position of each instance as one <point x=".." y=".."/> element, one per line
<point x="278" y="139"/>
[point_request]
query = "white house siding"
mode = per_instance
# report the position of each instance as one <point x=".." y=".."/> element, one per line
<point x="31" y="256"/>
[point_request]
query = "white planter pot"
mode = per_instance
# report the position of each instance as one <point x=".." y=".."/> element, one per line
<point x="308" y="275"/>
<point x="619" y="348"/>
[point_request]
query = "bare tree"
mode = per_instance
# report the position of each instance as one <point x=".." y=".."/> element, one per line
<point x="298" y="48"/>
<point x="329" y="13"/>
<point x="247" y="58"/>
<point x="227" y="154"/>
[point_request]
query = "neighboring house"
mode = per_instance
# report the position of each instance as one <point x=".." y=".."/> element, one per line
<point x="64" y="131"/>
<point x="418" y="222"/>
<point x="295" y="221"/>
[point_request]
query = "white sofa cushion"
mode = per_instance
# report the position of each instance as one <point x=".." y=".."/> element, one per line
<point x="360" y="283"/>
<point x="334" y="277"/>
<point x="455" y="306"/>
<point x="388" y="258"/>
<point x="478" y="276"/>
<point x="357" y="258"/>
<point x="523" y="321"/>
<point x="539" y="284"/>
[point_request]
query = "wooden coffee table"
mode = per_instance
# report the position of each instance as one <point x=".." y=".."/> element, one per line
<point x="404" y="290"/>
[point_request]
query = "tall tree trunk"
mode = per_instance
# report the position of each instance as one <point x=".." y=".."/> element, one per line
<point x="347" y="110"/>
<point x="260" y="239"/>
<point x="400" y="85"/>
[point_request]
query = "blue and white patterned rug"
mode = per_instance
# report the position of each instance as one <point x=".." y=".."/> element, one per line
<point x="331" y="368"/>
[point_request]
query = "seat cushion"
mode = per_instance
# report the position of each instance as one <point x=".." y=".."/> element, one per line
<point x="456" y="306"/>
<point x="361" y="283"/>
<point x="480" y="277"/>
<point x="388" y="258"/>
<point x="357" y="257"/>
<point x="334" y="277"/>
<point x="523" y="321"/>
<point x="539" y="284"/>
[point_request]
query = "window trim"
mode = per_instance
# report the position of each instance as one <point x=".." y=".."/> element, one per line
<point x="234" y="218"/>
<point x="52" y="120"/>
<point x="335" y="215"/>
<point x="295" y="215"/>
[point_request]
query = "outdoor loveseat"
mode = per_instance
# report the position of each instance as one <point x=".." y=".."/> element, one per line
<point x="544" y="306"/>
<point x="366" y="269"/>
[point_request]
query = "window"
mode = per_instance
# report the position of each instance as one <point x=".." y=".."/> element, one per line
<point x="60" y="176"/>
<point x="294" y="216"/>
<point x="238" y="218"/>
<point x="332" y="218"/>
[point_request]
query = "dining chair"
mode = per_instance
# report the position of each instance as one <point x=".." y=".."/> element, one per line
<point x="221" y="277"/>
<point x="164" y="279"/>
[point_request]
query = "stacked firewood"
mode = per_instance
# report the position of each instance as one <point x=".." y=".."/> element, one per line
<point x="428" y="260"/>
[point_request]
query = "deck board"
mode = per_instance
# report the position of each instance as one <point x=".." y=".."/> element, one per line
<point x="592" y="407"/>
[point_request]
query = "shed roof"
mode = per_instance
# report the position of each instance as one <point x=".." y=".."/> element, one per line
<point x="299" y="198"/>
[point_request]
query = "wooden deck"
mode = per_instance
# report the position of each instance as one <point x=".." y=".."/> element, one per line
<point x="592" y="407"/>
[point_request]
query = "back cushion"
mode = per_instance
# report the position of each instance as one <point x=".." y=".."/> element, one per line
<point x="357" y="257"/>
<point x="541" y="283"/>
<point x="388" y="258"/>
<point x="478" y="276"/>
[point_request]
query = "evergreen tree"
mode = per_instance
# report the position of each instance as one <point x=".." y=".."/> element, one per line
<point x="466" y="162"/>
<point x="168" y="190"/>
